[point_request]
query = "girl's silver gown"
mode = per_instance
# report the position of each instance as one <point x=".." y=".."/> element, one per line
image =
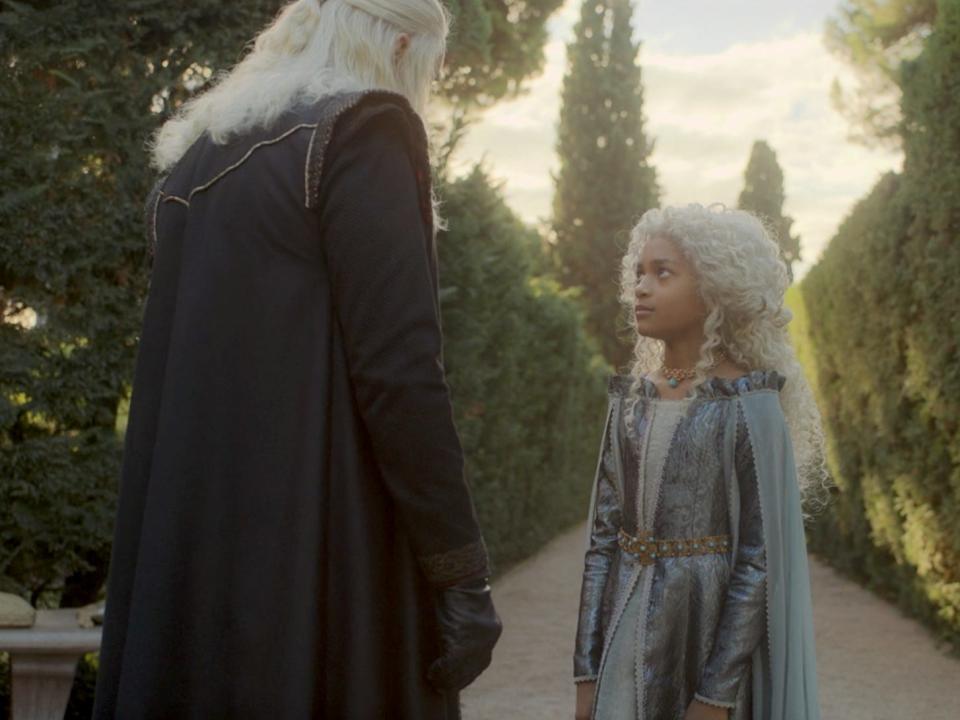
<point x="688" y="615"/>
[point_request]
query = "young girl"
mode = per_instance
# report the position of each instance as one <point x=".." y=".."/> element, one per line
<point x="695" y="602"/>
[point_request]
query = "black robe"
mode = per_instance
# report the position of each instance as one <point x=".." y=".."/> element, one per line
<point x="292" y="494"/>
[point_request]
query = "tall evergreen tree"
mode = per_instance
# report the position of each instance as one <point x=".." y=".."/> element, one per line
<point x="605" y="181"/>
<point x="763" y="194"/>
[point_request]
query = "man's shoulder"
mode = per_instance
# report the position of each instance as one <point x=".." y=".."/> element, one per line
<point x="351" y="108"/>
<point x="341" y="118"/>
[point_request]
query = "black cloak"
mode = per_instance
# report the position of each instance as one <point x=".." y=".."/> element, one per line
<point x="292" y="494"/>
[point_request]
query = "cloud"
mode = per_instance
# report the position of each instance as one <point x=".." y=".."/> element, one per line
<point x="704" y="111"/>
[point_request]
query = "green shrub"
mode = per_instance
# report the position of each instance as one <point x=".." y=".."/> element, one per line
<point x="884" y="308"/>
<point x="528" y="385"/>
<point x="79" y="84"/>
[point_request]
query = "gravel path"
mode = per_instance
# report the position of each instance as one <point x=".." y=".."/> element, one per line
<point x="873" y="663"/>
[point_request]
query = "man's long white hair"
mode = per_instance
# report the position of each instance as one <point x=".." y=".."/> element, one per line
<point x="742" y="281"/>
<point x="314" y="48"/>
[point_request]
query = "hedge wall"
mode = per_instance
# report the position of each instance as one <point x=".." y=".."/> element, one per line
<point x="884" y="308"/>
<point x="79" y="82"/>
<point x="528" y="386"/>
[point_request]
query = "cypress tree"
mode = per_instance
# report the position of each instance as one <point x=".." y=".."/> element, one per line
<point x="763" y="194"/>
<point x="605" y="181"/>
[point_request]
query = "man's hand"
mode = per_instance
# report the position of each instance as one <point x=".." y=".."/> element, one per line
<point x="469" y="628"/>
<point x="702" y="711"/>
<point x="585" y="694"/>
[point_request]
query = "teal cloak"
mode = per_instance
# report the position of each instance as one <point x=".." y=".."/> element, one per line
<point x="784" y="674"/>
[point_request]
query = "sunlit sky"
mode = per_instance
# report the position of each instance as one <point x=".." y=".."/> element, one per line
<point x="718" y="74"/>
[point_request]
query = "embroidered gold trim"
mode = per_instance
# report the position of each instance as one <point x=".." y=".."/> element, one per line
<point x="306" y="168"/>
<point x="647" y="548"/>
<point x="246" y="156"/>
<point x="449" y="567"/>
<point x="156" y="208"/>
<point x="174" y="198"/>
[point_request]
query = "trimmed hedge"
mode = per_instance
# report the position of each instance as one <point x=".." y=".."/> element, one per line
<point x="79" y="84"/>
<point x="528" y="385"/>
<point x="884" y="307"/>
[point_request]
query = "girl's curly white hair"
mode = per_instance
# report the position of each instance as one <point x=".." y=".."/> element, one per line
<point x="742" y="280"/>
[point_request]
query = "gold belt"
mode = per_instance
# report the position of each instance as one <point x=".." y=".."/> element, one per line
<point x="648" y="548"/>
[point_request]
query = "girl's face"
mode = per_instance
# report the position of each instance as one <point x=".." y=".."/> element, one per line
<point x="667" y="304"/>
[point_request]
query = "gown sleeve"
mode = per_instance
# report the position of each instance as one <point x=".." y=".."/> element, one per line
<point x="743" y="618"/>
<point x="604" y="524"/>
<point x="377" y="252"/>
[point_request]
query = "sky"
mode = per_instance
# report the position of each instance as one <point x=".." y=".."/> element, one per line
<point x="718" y="75"/>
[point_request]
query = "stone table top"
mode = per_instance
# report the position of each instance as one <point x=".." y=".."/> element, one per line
<point x="54" y="631"/>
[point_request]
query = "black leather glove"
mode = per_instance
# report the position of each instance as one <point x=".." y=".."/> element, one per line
<point x="469" y="628"/>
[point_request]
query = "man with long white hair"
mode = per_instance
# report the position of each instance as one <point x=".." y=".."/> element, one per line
<point x="295" y="537"/>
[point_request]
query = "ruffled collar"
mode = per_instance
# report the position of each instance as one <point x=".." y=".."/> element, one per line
<point x="712" y="387"/>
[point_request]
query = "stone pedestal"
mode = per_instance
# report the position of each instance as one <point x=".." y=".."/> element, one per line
<point x="43" y="659"/>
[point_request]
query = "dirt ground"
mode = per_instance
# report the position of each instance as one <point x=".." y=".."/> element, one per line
<point x="873" y="663"/>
